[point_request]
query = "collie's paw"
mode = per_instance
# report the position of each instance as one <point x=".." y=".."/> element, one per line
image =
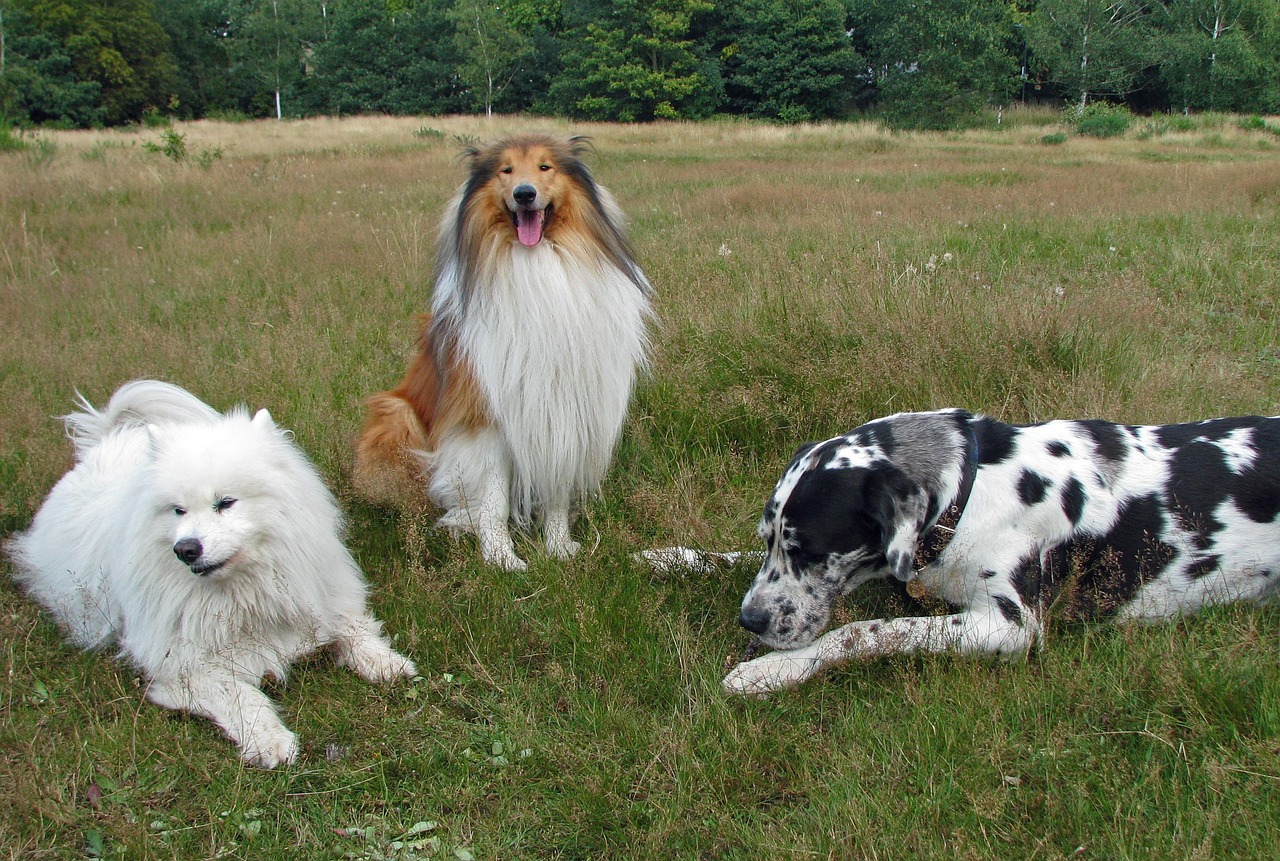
<point x="563" y="548"/>
<point x="269" y="747"/>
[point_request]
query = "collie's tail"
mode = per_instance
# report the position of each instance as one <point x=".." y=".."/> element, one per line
<point x="390" y="453"/>
<point x="137" y="403"/>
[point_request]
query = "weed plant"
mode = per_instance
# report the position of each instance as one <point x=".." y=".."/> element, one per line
<point x="809" y="278"/>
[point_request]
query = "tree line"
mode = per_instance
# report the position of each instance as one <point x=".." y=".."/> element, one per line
<point x="913" y="63"/>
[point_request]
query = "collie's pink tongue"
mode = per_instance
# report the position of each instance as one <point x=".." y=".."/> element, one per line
<point x="529" y="226"/>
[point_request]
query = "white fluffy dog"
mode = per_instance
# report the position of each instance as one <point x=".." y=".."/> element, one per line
<point x="207" y="547"/>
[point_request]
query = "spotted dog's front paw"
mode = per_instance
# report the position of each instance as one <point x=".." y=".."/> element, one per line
<point x="772" y="672"/>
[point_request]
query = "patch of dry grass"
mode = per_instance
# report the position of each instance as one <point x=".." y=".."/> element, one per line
<point x="809" y="278"/>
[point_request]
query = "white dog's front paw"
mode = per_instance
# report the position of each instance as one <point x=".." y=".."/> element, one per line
<point x="771" y="672"/>
<point x="269" y="747"/>
<point x="381" y="665"/>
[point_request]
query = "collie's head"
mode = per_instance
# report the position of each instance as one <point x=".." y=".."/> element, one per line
<point x="530" y="189"/>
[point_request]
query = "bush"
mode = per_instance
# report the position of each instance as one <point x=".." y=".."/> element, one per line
<point x="1054" y="138"/>
<point x="1102" y="120"/>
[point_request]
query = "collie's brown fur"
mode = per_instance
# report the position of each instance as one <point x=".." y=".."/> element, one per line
<point x="440" y="393"/>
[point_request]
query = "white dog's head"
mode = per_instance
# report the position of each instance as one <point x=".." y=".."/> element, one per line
<point x="215" y="491"/>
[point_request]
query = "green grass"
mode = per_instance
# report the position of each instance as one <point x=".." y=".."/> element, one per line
<point x="809" y="278"/>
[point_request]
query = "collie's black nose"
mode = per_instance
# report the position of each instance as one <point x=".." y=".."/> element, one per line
<point x="755" y="621"/>
<point x="525" y="194"/>
<point x="188" y="550"/>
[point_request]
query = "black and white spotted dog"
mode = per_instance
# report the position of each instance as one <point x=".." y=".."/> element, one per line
<point x="1093" y="519"/>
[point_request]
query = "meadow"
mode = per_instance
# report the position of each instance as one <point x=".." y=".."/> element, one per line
<point x="809" y="278"/>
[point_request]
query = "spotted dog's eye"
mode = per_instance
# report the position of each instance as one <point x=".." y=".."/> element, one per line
<point x="179" y="510"/>
<point x="223" y="504"/>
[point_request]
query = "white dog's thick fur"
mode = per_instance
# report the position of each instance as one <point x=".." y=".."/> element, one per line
<point x="208" y="549"/>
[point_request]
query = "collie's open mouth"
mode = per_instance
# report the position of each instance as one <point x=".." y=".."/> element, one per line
<point x="529" y="224"/>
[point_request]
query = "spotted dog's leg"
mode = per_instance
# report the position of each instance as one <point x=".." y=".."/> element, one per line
<point x="986" y="631"/>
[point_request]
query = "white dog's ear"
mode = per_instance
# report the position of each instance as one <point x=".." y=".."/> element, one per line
<point x="900" y="506"/>
<point x="154" y="435"/>
<point x="262" y="419"/>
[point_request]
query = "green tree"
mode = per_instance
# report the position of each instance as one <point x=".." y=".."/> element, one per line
<point x="936" y="63"/>
<point x="788" y="59"/>
<point x="377" y="60"/>
<point x="1093" y="48"/>
<point x="116" y="43"/>
<point x="271" y="40"/>
<point x="1220" y="54"/>
<point x="197" y="31"/>
<point x="37" y="84"/>
<point x="491" y="48"/>
<point x="632" y="60"/>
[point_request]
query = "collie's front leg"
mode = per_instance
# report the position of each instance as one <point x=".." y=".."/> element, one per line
<point x="555" y="531"/>
<point x="471" y="482"/>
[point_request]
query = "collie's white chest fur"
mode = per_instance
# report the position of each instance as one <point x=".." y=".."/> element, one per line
<point x="555" y="343"/>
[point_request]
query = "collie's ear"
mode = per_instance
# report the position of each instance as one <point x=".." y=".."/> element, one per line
<point x="580" y="145"/>
<point x="900" y="506"/>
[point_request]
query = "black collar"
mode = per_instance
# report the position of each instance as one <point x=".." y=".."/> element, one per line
<point x="938" y="536"/>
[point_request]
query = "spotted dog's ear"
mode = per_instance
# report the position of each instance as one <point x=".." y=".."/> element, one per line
<point x="802" y="451"/>
<point x="900" y="507"/>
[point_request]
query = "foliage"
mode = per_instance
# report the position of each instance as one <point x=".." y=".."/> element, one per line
<point x="936" y="63"/>
<point x="380" y="62"/>
<point x="924" y="64"/>
<point x="40" y="85"/>
<point x="787" y="59"/>
<point x="635" y="60"/>
<point x="1220" y="54"/>
<point x="116" y="44"/>
<point x="1101" y="119"/>
<point x="1093" y="48"/>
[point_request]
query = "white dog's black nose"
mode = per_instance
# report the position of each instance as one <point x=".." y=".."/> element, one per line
<point x="188" y="550"/>
<point x="525" y="194"/>
<point x="755" y="621"/>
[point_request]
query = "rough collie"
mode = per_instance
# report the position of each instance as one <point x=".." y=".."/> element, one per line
<point x="517" y="392"/>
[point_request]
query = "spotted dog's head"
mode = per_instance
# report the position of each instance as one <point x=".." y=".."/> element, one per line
<point x="850" y="510"/>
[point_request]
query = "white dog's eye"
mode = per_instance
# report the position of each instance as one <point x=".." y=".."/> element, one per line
<point x="223" y="504"/>
<point x="179" y="510"/>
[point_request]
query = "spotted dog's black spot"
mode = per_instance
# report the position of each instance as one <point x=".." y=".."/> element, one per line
<point x="1203" y="566"/>
<point x="995" y="440"/>
<point x="1108" y="439"/>
<point x="1214" y="430"/>
<point x="1009" y="609"/>
<point x="1057" y="448"/>
<point x="987" y="574"/>
<point x="1073" y="500"/>
<point x="1032" y="487"/>
<point x="1199" y="481"/>
<point x="1103" y="573"/>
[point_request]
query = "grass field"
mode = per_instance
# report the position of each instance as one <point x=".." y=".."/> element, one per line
<point x="808" y="279"/>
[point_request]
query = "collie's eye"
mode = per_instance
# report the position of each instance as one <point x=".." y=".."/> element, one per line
<point x="507" y="169"/>
<point x="179" y="510"/>
<point x="544" y="167"/>
<point x="223" y="504"/>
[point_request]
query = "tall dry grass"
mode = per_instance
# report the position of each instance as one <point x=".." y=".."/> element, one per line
<point x="808" y="278"/>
